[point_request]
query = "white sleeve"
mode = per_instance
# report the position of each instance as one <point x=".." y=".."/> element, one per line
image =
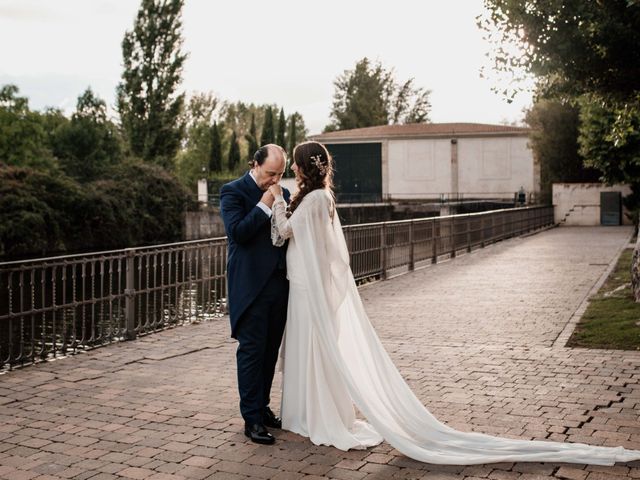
<point x="262" y="206"/>
<point x="280" y="224"/>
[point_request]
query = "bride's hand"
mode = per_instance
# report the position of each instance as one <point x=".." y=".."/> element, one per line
<point x="276" y="190"/>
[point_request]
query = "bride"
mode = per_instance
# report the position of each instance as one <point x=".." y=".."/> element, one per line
<point x="333" y="359"/>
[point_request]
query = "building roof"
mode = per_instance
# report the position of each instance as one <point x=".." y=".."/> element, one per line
<point x="422" y="130"/>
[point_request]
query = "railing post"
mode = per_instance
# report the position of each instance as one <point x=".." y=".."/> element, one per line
<point x="130" y="296"/>
<point x="411" y="249"/>
<point x="469" y="233"/>
<point x="434" y="242"/>
<point x="453" y="235"/>
<point x="383" y="253"/>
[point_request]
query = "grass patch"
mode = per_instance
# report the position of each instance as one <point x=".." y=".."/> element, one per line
<point x="612" y="319"/>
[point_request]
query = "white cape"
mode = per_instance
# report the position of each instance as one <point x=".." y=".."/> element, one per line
<point x="326" y="316"/>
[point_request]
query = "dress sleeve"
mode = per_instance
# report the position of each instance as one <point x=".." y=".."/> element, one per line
<point x="280" y="224"/>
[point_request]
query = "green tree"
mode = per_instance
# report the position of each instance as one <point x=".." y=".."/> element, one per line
<point x="215" y="155"/>
<point x="369" y="95"/>
<point x="155" y="201"/>
<point x="268" y="133"/>
<point x="44" y="213"/>
<point x="237" y="117"/>
<point x="234" y="153"/>
<point x="53" y="120"/>
<point x="616" y="155"/>
<point x="38" y="212"/>
<point x="292" y="135"/>
<point x="243" y="119"/>
<point x="610" y="142"/>
<point x="190" y="167"/>
<point x="581" y="51"/>
<point x="300" y="131"/>
<point x="252" y="139"/>
<point x="24" y="139"/>
<point x="89" y="144"/>
<point x="297" y="133"/>
<point x="192" y="161"/>
<point x="572" y="47"/>
<point x="282" y="128"/>
<point x="149" y="106"/>
<point x="202" y="109"/>
<point x="554" y="141"/>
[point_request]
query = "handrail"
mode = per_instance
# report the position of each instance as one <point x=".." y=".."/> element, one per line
<point x="64" y="304"/>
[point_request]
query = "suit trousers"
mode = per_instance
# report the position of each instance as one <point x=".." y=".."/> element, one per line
<point x="259" y="333"/>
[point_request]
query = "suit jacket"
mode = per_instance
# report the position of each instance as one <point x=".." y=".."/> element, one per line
<point x="251" y="257"/>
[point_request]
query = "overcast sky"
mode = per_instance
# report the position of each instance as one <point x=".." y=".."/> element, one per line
<point x="280" y="51"/>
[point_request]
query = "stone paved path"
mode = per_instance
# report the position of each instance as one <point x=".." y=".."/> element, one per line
<point x="474" y="337"/>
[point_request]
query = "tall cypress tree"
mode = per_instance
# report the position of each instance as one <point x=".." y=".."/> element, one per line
<point x="290" y="145"/>
<point x="252" y="138"/>
<point x="234" y="152"/>
<point x="282" y="127"/>
<point x="268" y="134"/>
<point x="149" y="106"/>
<point x="215" y="154"/>
<point x="291" y="138"/>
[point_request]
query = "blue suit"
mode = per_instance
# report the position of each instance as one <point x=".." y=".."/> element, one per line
<point x="257" y="292"/>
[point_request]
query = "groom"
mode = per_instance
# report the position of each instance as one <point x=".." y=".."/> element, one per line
<point x="257" y="286"/>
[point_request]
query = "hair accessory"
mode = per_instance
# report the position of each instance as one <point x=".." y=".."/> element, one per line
<point x="317" y="161"/>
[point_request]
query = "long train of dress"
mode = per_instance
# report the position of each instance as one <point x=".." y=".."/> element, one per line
<point x="333" y="359"/>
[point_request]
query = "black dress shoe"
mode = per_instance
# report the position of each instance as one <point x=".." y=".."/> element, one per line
<point x="270" y="419"/>
<point x="259" y="434"/>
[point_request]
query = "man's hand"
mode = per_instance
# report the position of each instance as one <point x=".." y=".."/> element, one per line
<point x="276" y="190"/>
<point x="268" y="198"/>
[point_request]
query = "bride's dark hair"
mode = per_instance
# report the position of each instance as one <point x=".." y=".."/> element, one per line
<point x="315" y="171"/>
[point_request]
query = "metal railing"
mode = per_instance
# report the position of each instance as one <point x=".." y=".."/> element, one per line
<point x="530" y="198"/>
<point x="384" y="249"/>
<point x="61" y="305"/>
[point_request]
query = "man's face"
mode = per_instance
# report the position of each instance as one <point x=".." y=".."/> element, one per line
<point x="271" y="170"/>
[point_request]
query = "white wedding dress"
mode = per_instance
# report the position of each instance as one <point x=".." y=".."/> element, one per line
<point x="334" y="360"/>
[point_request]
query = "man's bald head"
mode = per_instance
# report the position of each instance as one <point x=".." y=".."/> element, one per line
<point x="266" y="151"/>
<point x="269" y="163"/>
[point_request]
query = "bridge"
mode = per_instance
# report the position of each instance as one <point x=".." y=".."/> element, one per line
<point x="479" y="337"/>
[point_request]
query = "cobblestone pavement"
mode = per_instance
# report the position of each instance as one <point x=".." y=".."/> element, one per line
<point x="474" y="337"/>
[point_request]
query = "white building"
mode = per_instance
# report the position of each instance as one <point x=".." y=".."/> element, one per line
<point x="590" y="204"/>
<point x="432" y="160"/>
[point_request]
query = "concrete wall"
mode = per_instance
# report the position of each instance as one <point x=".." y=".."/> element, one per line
<point x="499" y="165"/>
<point x="481" y="167"/>
<point x="579" y="203"/>
<point x="205" y="223"/>
<point x="417" y="167"/>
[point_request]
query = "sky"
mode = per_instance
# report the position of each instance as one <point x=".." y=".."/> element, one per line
<point x="286" y="52"/>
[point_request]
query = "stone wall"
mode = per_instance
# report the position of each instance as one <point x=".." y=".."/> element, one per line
<point x="205" y="223"/>
<point x="579" y="203"/>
